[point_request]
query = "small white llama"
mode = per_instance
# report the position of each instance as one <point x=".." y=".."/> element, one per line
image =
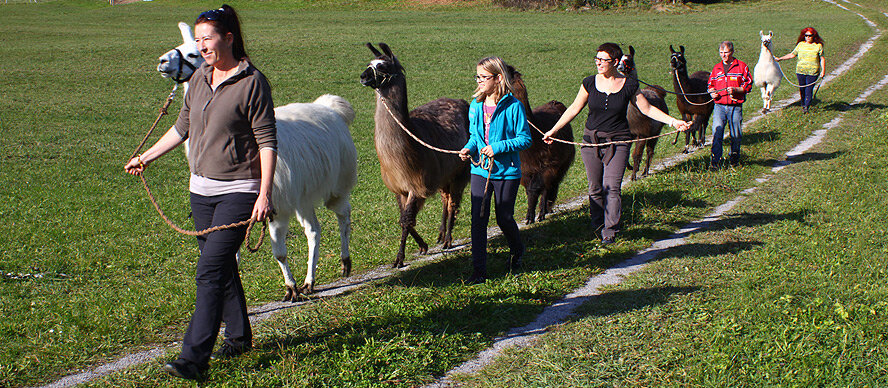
<point x="767" y="74"/>
<point x="316" y="164"/>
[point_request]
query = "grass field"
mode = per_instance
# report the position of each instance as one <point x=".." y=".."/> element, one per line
<point x="80" y="89"/>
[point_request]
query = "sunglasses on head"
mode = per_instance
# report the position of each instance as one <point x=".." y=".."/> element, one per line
<point x="211" y="15"/>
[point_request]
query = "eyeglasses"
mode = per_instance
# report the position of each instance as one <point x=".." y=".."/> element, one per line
<point x="600" y="60"/>
<point x="808" y="35"/>
<point x="211" y="15"/>
<point x="481" y="77"/>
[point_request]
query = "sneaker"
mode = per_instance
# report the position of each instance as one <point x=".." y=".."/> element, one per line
<point x="804" y="109"/>
<point x="735" y="160"/>
<point x="229" y="350"/>
<point x="184" y="369"/>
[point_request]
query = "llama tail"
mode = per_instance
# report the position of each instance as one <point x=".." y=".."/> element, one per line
<point x="339" y="105"/>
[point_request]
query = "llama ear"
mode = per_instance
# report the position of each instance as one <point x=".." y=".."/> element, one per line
<point x="375" y="52"/>
<point x="631" y="51"/>
<point x="761" y="33"/>
<point x="770" y="33"/>
<point x="185" y="29"/>
<point x="385" y="49"/>
<point x="682" y="48"/>
<point x="671" y="49"/>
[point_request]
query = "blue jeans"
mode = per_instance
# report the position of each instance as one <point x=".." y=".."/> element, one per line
<point x="807" y="93"/>
<point x="722" y="115"/>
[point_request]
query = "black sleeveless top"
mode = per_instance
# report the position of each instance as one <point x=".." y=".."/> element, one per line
<point x="607" y="112"/>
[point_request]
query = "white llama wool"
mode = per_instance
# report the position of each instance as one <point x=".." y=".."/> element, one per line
<point x="767" y="74"/>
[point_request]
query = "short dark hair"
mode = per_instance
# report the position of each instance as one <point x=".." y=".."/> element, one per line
<point x="612" y="49"/>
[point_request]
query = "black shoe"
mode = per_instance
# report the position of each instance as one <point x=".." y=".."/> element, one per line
<point x="607" y="241"/>
<point x="477" y="277"/>
<point x="735" y="160"/>
<point x="804" y="109"/>
<point x="515" y="263"/>
<point x="184" y="369"/>
<point x="714" y="164"/>
<point x="229" y="350"/>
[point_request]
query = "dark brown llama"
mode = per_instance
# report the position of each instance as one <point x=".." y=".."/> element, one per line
<point x="543" y="166"/>
<point x="410" y="170"/>
<point x="640" y="125"/>
<point x="694" y="108"/>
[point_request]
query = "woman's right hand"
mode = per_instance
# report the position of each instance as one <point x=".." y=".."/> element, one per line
<point x="464" y="154"/>
<point x="135" y="166"/>
<point x="547" y="137"/>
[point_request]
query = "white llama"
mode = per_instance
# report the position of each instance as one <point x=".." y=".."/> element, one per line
<point x="767" y="73"/>
<point x="316" y="163"/>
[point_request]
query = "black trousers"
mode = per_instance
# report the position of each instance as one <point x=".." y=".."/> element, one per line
<point x="220" y="295"/>
<point x="504" y="192"/>
<point x="604" y="171"/>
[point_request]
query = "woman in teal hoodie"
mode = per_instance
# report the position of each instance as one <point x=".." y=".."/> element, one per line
<point x="498" y="129"/>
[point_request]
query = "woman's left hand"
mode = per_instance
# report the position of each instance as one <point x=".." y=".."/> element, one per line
<point x="487" y="151"/>
<point x="681" y="125"/>
<point x="262" y="208"/>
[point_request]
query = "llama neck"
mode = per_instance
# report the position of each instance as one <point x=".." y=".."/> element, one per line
<point x="680" y="81"/>
<point x="391" y="114"/>
<point x="765" y="54"/>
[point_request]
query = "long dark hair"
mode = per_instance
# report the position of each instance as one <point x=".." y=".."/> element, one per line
<point x="810" y="30"/>
<point x="225" y="20"/>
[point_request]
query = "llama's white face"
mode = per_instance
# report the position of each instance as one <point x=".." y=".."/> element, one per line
<point x="766" y="39"/>
<point x="180" y="62"/>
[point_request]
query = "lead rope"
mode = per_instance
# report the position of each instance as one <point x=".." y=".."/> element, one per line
<point x="249" y="223"/>
<point x="483" y="161"/>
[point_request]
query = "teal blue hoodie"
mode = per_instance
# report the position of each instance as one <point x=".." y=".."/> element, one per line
<point x="509" y="133"/>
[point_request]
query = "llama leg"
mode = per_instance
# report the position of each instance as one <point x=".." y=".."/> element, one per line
<point x="637" y="150"/>
<point x="649" y="145"/>
<point x="532" y="190"/>
<point x="312" y="229"/>
<point x="445" y="214"/>
<point x="278" y="234"/>
<point x="456" y="193"/>
<point x="342" y="207"/>
<point x="410" y="208"/>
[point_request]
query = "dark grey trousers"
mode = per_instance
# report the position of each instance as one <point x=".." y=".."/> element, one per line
<point x="604" y="171"/>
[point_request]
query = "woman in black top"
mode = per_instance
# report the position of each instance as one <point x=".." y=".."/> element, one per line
<point x="608" y="95"/>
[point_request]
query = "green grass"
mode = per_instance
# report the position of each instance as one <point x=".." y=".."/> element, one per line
<point x="81" y="88"/>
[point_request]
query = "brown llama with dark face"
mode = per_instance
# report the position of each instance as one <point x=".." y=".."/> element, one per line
<point x="543" y="166"/>
<point x="640" y="125"/>
<point x="410" y="170"/>
<point x="695" y="108"/>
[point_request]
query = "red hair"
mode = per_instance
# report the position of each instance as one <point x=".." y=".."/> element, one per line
<point x="810" y="30"/>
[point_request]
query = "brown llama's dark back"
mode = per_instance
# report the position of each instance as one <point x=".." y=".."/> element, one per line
<point x="543" y="166"/>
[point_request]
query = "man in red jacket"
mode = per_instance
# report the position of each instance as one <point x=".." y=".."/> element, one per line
<point x="729" y="82"/>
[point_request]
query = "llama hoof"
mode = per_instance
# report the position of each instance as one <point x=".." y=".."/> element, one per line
<point x="765" y="111"/>
<point x="399" y="262"/>
<point x="447" y="243"/>
<point x="423" y="249"/>
<point x="346" y="267"/>
<point x="290" y="296"/>
<point x="306" y="289"/>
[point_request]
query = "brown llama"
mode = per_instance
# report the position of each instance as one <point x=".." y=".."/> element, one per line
<point x="693" y="101"/>
<point x="640" y="125"/>
<point x="410" y="170"/>
<point x="543" y="166"/>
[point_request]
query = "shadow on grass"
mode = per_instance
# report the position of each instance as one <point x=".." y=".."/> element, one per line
<point x="842" y="106"/>
<point x="815" y="156"/>
<point x="618" y="302"/>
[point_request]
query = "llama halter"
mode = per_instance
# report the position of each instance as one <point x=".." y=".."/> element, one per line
<point x="178" y="77"/>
